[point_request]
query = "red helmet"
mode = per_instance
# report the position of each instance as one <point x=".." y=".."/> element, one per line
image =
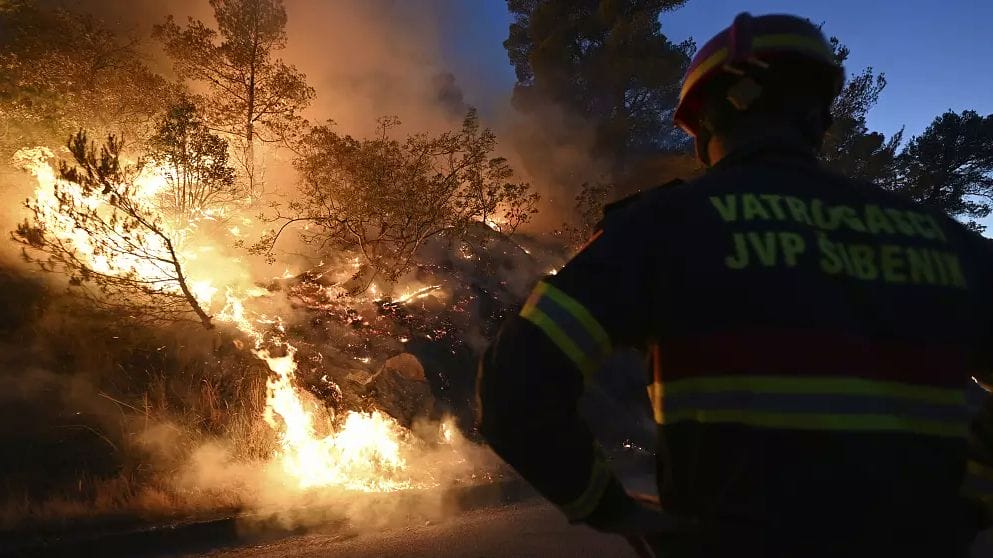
<point x="752" y="46"/>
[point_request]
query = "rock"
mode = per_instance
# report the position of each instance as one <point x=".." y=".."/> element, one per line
<point x="401" y="390"/>
<point x="407" y="366"/>
<point x="359" y="376"/>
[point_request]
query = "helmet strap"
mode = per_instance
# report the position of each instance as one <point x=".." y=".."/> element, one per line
<point x="701" y="143"/>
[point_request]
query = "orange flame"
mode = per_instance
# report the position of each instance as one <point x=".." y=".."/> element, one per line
<point x="363" y="451"/>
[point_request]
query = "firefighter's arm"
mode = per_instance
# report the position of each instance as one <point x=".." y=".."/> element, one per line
<point x="978" y="485"/>
<point x="527" y="393"/>
<point x="532" y="376"/>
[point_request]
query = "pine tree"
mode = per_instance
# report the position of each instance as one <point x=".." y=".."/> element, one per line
<point x="605" y="61"/>
<point x="254" y="96"/>
<point x="950" y="166"/>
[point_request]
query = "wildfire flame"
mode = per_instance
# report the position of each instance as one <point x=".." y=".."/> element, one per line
<point x="361" y="450"/>
<point x="363" y="455"/>
<point x="148" y="184"/>
<point x="416" y="294"/>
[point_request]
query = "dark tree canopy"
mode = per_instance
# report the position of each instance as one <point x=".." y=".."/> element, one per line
<point x="195" y="164"/>
<point x="950" y="166"/>
<point x="606" y="61"/>
<point x="850" y="147"/>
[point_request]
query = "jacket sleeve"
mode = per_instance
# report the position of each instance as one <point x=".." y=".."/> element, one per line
<point x="531" y="377"/>
<point x="978" y="484"/>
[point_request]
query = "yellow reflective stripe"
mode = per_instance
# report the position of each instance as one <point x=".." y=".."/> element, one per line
<point x="793" y="41"/>
<point x="712" y="61"/>
<point x="561" y="340"/>
<point x="584" y="505"/>
<point x="978" y="484"/>
<point x="656" y="392"/>
<point x="816" y="385"/>
<point x="578" y="311"/>
<point x="758" y="43"/>
<point x="812" y="421"/>
<point x="586" y="358"/>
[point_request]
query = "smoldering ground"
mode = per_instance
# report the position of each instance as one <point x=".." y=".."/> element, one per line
<point x="172" y="415"/>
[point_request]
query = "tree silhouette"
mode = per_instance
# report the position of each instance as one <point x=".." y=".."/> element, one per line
<point x="950" y="166"/>
<point x="385" y="197"/>
<point x="252" y="94"/>
<point x="195" y="164"/>
<point x="607" y="62"/>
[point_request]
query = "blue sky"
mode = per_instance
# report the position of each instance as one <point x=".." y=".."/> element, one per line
<point x="936" y="55"/>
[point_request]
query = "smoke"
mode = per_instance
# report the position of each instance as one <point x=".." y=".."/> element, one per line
<point x="365" y="60"/>
<point x="392" y="58"/>
<point x="438" y="460"/>
<point x="371" y="59"/>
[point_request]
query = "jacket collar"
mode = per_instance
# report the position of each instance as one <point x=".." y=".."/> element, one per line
<point x="769" y="150"/>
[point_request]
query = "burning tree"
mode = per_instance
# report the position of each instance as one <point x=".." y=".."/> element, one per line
<point x="195" y="162"/>
<point x="385" y="197"/>
<point x="98" y="225"/>
<point x="252" y="95"/>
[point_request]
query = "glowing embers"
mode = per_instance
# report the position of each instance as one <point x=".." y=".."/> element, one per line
<point x="414" y="295"/>
<point x="362" y="451"/>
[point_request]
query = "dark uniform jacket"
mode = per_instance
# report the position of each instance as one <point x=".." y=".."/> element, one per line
<point x="812" y="337"/>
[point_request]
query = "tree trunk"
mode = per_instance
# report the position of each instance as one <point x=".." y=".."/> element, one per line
<point x="190" y="299"/>
<point x="250" y="116"/>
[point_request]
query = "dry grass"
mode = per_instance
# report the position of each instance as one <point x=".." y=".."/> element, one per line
<point x="104" y="431"/>
<point x="120" y="500"/>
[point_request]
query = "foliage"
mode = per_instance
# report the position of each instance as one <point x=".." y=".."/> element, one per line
<point x="195" y="164"/>
<point x="590" y="203"/>
<point x="950" y="166"/>
<point x="385" y="197"/>
<point x="253" y="94"/>
<point x="849" y="147"/>
<point x="606" y="61"/>
<point x="62" y="71"/>
<point x="98" y="228"/>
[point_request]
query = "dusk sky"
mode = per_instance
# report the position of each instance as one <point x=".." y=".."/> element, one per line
<point x="936" y="55"/>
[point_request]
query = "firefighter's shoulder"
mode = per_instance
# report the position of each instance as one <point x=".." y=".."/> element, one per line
<point x="638" y="197"/>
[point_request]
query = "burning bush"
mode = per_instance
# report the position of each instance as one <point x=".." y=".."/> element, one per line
<point x="148" y="404"/>
<point x="385" y="197"/>
<point x="98" y="225"/>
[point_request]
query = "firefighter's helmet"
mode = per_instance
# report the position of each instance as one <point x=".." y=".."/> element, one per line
<point x="753" y="49"/>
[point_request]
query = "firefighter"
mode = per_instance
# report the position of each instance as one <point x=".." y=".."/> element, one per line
<point x="810" y="336"/>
